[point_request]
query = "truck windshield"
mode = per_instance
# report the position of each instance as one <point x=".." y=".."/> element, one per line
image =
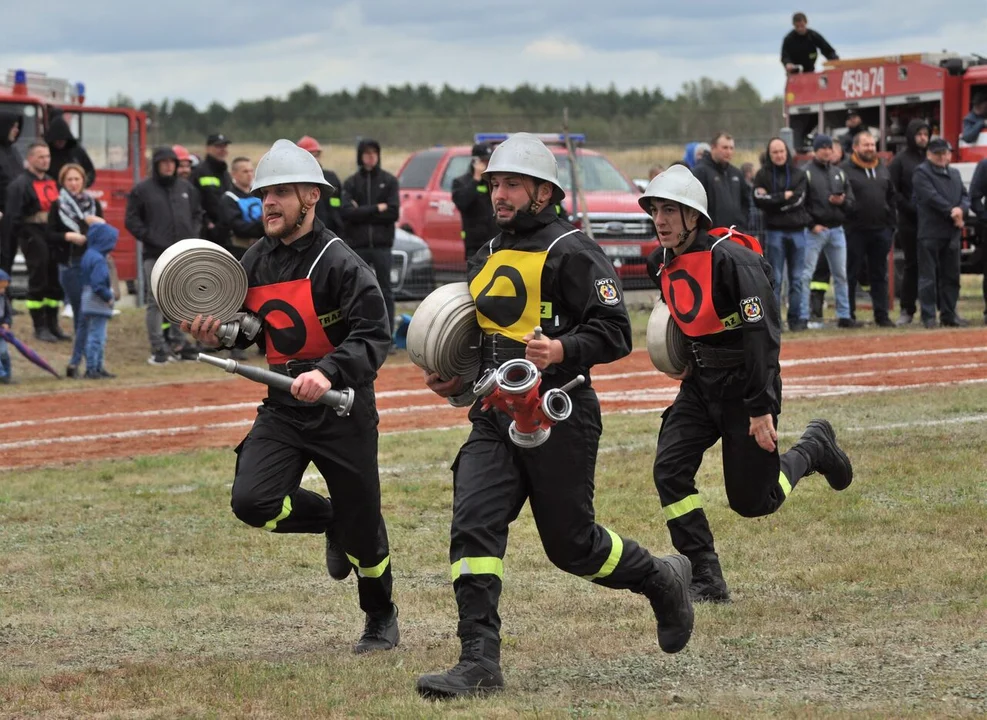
<point x="596" y="174"/>
<point x="31" y="129"/>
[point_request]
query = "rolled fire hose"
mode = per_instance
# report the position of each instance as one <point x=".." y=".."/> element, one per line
<point x="198" y="277"/>
<point x="339" y="400"/>
<point x="667" y="345"/>
<point x="444" y="337"/>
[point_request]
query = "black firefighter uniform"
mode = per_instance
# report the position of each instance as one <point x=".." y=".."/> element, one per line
<point x="321" y="309"/>
<point x="553" y="276"/>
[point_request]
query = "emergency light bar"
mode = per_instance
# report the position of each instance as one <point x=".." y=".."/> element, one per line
<point x="547" y="138"/>
<point x="23" y="82"/>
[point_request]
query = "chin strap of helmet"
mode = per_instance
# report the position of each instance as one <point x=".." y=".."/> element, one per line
<point x="686" y="230"/>
<point x="305" y="208"/>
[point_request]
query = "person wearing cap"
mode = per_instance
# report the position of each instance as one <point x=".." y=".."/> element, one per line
<point x="370" y="208"/>
<point x="854" y="126"/>
<point x="902" y="169"/>
<point x="540" y="272"/>
<point x="976" y="119"/>
<point x="162" y="210"/>
<point x="471" y="194"/>
<point x="184" y="170"/>
<point x="211" y="178"/>
<point x="828" y="198"/>
<point x="324" y="324"/>
<point x="328" y="208"/>
<point x="718" y="291"/>
<point x="942" y="203"/>
<point x="800" y="47"/>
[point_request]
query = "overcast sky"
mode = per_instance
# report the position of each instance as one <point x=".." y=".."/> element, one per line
<point x="228" y="51"/>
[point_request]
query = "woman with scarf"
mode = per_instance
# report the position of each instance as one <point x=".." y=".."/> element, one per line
<point x="68" y="221"/>
<point x="779" y="191"/>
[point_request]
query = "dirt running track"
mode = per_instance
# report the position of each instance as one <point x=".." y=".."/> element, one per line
<point x="62" y="428"/>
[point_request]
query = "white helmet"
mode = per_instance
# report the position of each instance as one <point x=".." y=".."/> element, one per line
<point x="285" y="164"/>
<point x="525" y="154"/>
<point x="679" y="185"/>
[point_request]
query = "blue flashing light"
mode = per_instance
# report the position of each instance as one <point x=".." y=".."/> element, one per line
<point x="20" y="77"/>
<point x="80" y="89"/>
<point x="547" y="138"/>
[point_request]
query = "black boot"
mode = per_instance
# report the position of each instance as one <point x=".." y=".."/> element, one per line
<point x="668" y="591"/>
<point x="380" y="632"/>
<point x="816" y="299"/>
<point x="478" y="670"/>
<point x="708" y="584"/>
<point x="51" y="314"/>
<point x="337" y="563"/>
<point x="818" y="446"/>
<point x="41" y="330"/>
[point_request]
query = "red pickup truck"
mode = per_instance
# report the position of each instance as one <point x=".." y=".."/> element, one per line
<point x="626" y="234"/>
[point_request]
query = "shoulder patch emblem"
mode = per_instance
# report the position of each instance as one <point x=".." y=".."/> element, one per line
<point x="751" y="309"/>
<point x="606" y="288"/>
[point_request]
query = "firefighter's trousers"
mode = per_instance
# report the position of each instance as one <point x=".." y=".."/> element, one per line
<point x="492" y="478"/>
<point x="757" y="481"/>
<point x="267" y="490"/>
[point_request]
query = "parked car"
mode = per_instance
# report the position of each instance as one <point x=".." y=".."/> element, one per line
<point x="412" y="276"/>
<point x="625" y="233"/>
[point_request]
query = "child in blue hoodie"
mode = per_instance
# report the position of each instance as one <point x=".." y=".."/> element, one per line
<point x="97" y="296"/>
<point x="5" y="320"/>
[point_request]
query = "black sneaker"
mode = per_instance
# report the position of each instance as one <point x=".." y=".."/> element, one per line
<point x="159" y="358"/>
<point x="885" y="322"/>
<point x="104" y="373"/>
<point x="44" y="335"/>
<point x="337" y="563"/>
<point x="955" y="321"/>
<point x="379" y="633"/>
<point x="92" y="375"/>
<point x="708" y="584"/>
<point x="930" y="324"/>
<point x="71" y="371"/>
<point x="818" y="442"/>
<point x="848" y="323"/>
<point x="668" y="591"/>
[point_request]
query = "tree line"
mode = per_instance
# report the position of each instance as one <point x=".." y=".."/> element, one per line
<point x="416" y="116"/>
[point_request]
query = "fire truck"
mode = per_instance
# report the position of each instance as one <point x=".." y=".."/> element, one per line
<point x="115" y="138"/>
<point x="888" y="92"/>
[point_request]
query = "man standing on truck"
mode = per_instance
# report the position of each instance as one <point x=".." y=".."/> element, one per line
<point x="798" y="50"/>
<point x="471" y="194"/>
<point x="370" y="209"/>
<point x="902" y="169"/>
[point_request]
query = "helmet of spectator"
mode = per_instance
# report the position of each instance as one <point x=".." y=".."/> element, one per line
<point x="287" y="164"/>
<point x="679" y="185"/>
<point x="309" y="144"/>
<point x="524" y="154"/>
<point x="181" y="153"/>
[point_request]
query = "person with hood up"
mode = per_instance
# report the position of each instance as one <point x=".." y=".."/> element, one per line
<point x="902" y="169"/>
<point x="370" y="206"/>
<point x="779" y="190"/>
<point x="97" y="296"/>
<point x="11" y="165"/>
<point x="729" y="194"/>
<point x="69" y="219"/>
<point x="66" y="149"/>
<point x="162" y="210"/>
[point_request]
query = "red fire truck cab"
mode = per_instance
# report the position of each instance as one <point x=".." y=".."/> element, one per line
<point x="115" y="139"/>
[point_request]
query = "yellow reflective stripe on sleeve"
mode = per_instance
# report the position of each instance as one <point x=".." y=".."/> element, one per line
<point x="165" y="325"/>
<point x="285" y="512"/>
<point x="683" y="507"/>
<point x="481" y="188"/>
<point x="50" y="302"/>
<point x="478" y="566"/>
<point x="786" y="487"/>
<point x="210" y="181"/>
<point x="616" y="550"/>
<point x="371" y="572"/>
<point x="816" y="285"/>
<point x="335" y="202"/>
<point x="34" y="304"/>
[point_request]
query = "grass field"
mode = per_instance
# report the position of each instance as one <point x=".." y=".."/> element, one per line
<point x="130" y="590"/>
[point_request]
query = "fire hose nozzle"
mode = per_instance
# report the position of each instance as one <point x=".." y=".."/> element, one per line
<point x="517" y="377"/>
<point x="244" y="323"/>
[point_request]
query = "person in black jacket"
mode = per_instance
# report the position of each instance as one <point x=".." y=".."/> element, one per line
<point x="828" y="198"/>
<point x="854" y="126"/>
<point x="719" y="293"/>
<point x="942" y="203"/>
<point x="300" y="270"/>
<point x="162" y="210"/>
<point x="798" y="50"/>
<point x="471" y="194"/>
<point x="728" y="192"/>
<point x="211" y="178"/>
<point x="779" y="190"/>
<point x="11" y="165"/>
<point x="902" y="168"/>
<point x="370" y="206"/>
<point x="978" y="204"/>
<point x="558" y="280"/>
<point x="25" y="220"/>
<point x="869" y="224"/>
<point x="329" y="204"/>
<point x="66" y="149"/>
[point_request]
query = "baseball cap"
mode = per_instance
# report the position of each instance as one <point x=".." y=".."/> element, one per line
<point x="822" y="141"/>
<point x="218" y="139"/>
<point x="482" y="150"/>
<point x="852" y="112"/>
<point x="939" y="145"/>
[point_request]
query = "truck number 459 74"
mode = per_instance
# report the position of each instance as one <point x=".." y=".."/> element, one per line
<point x="858" y="83"/>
